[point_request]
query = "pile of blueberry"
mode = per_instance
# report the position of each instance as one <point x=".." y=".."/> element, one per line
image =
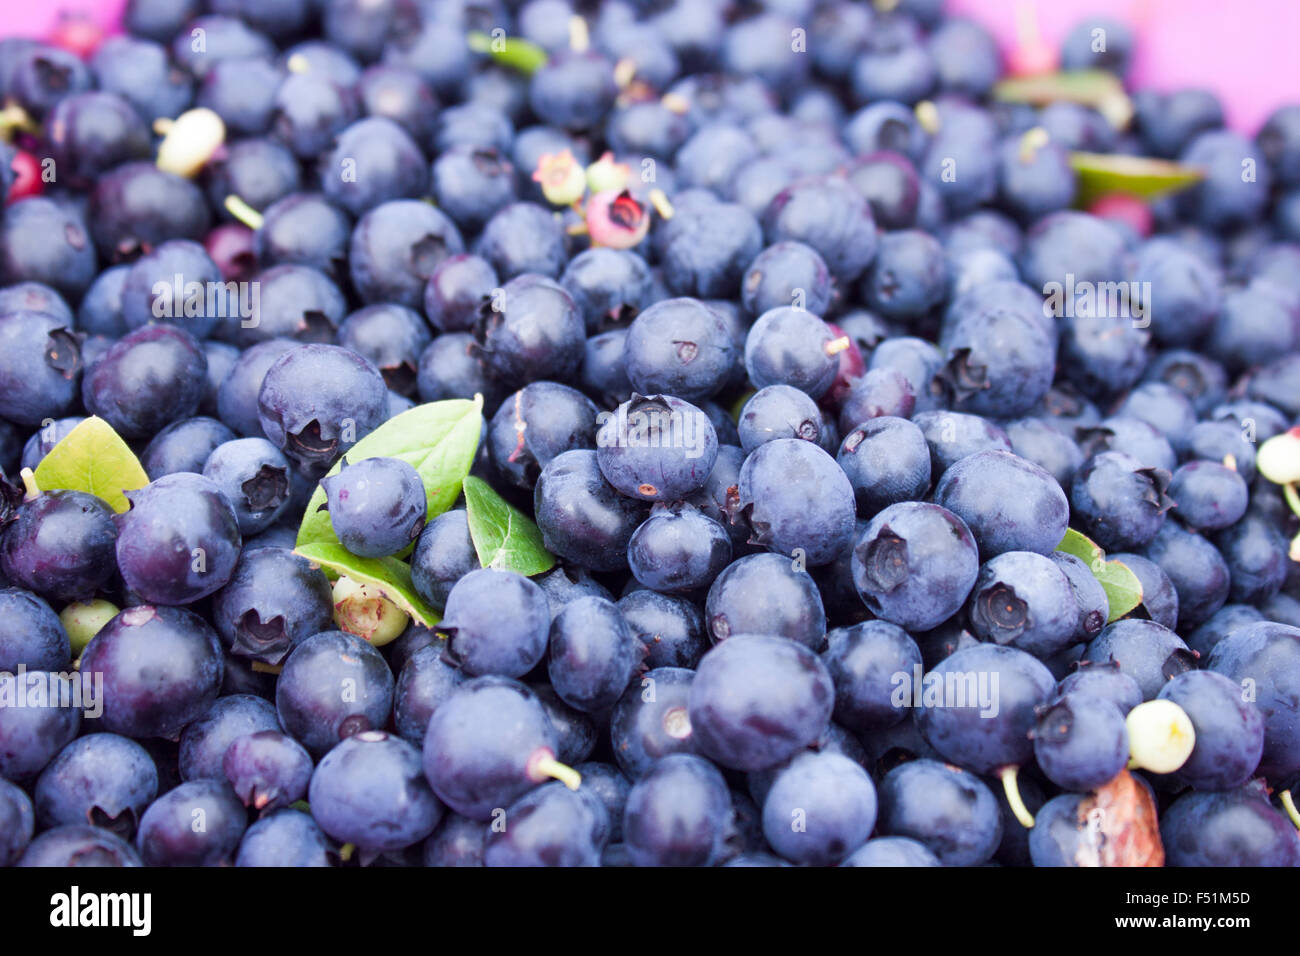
<point x="849" y="479"/>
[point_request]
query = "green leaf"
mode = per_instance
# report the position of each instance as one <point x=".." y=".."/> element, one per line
<point x="439" y="439"/>
<point x="1099" y="89"/>
<point x="93" y="458"/>
<point x="1140" y="176"/>
<point x="517" y="54"/>
<point x="1122" y="587"/>
<point x="504" y="537"/>
<point x="389" y="575"/>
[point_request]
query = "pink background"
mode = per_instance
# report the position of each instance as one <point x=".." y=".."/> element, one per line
<point x="1243" y="49"/>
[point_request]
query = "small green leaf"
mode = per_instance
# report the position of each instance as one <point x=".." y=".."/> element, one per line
<point x="1099" y="89"/>
<point x="93" y="458"/>
<point x="517" y="54"/>
<point x="439" y="439"/>
<point x="504" y="537"/>
<point x="1101" y="174"/>
<point x="1122" y="587"/>
<point x="389" y="575"/>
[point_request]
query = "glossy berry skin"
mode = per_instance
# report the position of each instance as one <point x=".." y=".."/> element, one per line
<point x="1147" y="652"/>
<point x="680" y="347"/>
<point x="671" y="627"/>
<point x="892" y="852"/>
<point x="79" y="845"/>
<point x="179" y="541"/>
<point x="1080" y="741"/>
<point x="17" y="821"/>
<point x="167" y="836"/>
<point x="273" y="601"/>
<point x="537" y="334"/>
<point x="137" y="206"/>
<point x="206" y="739"/>
<point x="1120" y="503"/>
<point x="184" y="446"/>
<point x="150" y="378"/>
<point x="678" y="549"/>
<point x="581" y="517"/>
<point x="656" y="448"/>
<point x="887" y="461"/>
<point x="315" y="401"/>
<point x="778" y="411"/>
<point x="550" y="826"/>
<point x="444" y="553"/>
<point x="370" y="791"/>
<point x="39" y="723"/>
<point x="782" y="272"/>
<point x="609" y="286"/>
<point x="967" y="732"/>
<point x="1024" y="600"/>
<point x="102" y="779"/>
<point x="651" y="720"/>
<point x="1104" y="680"/>
<point x="1229" y="731"/>
<point x="830" y="216"/>
<point x="31" y="635"/>
<point x="863" y="661"/>
<point x="1089" y="595"/>
<point x="497" y="623"/>
<point x="60" y="545"/>
<point x="540" y="421"/>
<point x="396" y="247"/>
<point x="1269" y="654"/>
<point x="1196" y="569"/>
<point x="162" y="669"/>
<point x="833" y="802"/>
<point x="796" y="500"/>
<point x="267" y="769"/>
<point x="1227" y="828"/>
<point x="426" y="680"/>
<point x="455" y="290"/>
<point x="392" y="337"/>
<point x="948" y="810"/>
<point x="254" y="477"/>
<point x="40" y="366"/>
<point x="1008" y="503"/>
<point x="758" y="700"/>
<point x="484" y="743"/>
<point x="788" y="346"/>
<point x="309" y="693"/>
<point x="376" y="506"/>
<point x="766" y="594"/>
<point x="285" y="838"/>
<point x="457" y="841"/>
<point x="677" y="814"/>
<point x="1209" y="496"/>
<point x="915" y="564"/>
<point x="593" y="654"/>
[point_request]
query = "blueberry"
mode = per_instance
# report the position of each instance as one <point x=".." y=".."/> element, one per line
<point x="454" y="291"/>
<point x="1008" y="503"/>
<point x="656" y="448"/>
<point x="40" y="367"/>
<point x="671" y="627"/>
<point x="1224" y="198"/>
<point x="1145" y="651"/>
<point x="575" y="731"/>
<point x="140" y="70"/>
<point x="427" y="678"/>
<point x="892" y="852"/>
<point x="678" y="549"/>
<point x="1208" y="496"/>
<point x="92" y="132"/>
<point x="184" y="446"/>
<point x="242" y="92"/>
<point x="758" y="699"/>
<point x="1227" y="828"/>
<point x="451" y="368"/>
<point x="778" y="411"/>
<point x="542" y="420"/>
<point x="550" y="826"/>
<point x="531" y="331"/>
<point x="1120" y="503"/>
<point x="285" y="838"/>
<point x="1090" y="597"/>
<point x="581" y="517"/>
<point x="681" y="347"/>
<point x="374" y="161"/>
<point x="952" y="436"/>
<point x="204" y="741"/>
<point x="31" y="634"/>
<point x="1000" y="360"/>
<point x="496" y="622"/>
<point x="951" y="812"/>
<point x="304" y="229"/>
<point x="1080" y="741"/>
<point x="395" y="248"/>
<point x="1266" y="653"/>
<point x="915" y="564"/>
<point x="400" y="94"/>
<point x="1255" y="553"/>
<point x="766" y="594"/>
<point x="1197" y="570"/>
<point x="254" y="477"/>
<point x="593" y="654"/>
<point x="376" y="506"/>
<point x="521" y="238"/>
<point x="315" y="401"/>
<point x="651" y="720"/>
<point x="333" y="685"/>
<point x="456" y="841"/>
<point x="267" y="769"/>
<point x="1229" y="731"/>
<point x="40" y="715"/>
<point x="1104" y="680"/>
<point x="677" y="814"/>
<point x="273" y="601"/>
<point x="796" y="500"/>
<point x="137" y="206"/>
<point x="19" y="822"/>
<point x="60" y="545"/>
<point x="179" y="541"/>
<point x="864" y="661"/>
<point x="1221" y="623"/>
<point x="150" y="378"/>
<point x="443" y="555"/>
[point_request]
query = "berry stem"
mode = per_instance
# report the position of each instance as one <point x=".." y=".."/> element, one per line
<point x="836" y="346"/>
<point x="579" y="36"/>
<point x="245" y="213"/>
<point x="1288" y="804"/>
<point x="261" y="667"/>
<point x="32" y="489"/>
<point x="1292" y="497"/>
<point x="545" y="765"/>
<point x="1012" y="789"/>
